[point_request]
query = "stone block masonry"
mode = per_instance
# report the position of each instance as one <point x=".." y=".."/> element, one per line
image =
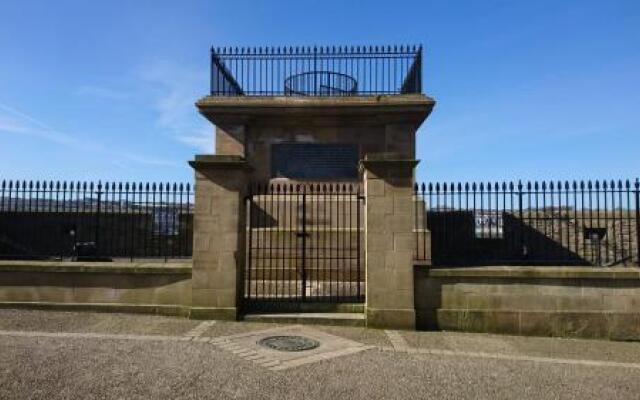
<point x="389" y="241"/>
<point x="218" y="252"/>
<point x="601" y="303"/>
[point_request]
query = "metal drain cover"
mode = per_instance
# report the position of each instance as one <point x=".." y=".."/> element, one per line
<point x="289" y="343"/>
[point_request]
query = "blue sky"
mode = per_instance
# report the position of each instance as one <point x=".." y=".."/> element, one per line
<point x="525" y="89"/>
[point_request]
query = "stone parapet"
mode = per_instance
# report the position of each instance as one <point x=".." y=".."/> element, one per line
<point x="140" y="287"/>
<point x="543" y="301"/>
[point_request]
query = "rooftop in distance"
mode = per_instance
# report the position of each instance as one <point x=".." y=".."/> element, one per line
<point x="316" y="71"/>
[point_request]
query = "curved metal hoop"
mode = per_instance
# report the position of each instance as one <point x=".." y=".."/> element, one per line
<point x="320" y="83"/>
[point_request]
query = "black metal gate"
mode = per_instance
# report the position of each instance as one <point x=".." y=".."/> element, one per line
<point x="303" y="245"/>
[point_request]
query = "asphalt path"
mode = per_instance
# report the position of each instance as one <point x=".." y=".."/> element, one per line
<point x="60" y="355"/>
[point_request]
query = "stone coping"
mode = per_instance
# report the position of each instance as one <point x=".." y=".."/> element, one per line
<point x="97" y="267"/>
<point x="218" y="161"/>
<point x="313" y="101"/>
<point x="528" y="272"/>
<point x="223" y="110"/>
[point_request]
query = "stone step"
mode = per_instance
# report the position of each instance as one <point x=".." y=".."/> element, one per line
<point x="339" y="319"/>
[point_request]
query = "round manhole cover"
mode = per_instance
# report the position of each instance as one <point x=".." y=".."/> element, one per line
<point x="289" y="343"/>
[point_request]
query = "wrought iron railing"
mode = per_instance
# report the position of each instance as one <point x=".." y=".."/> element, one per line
<point x="95" y="221"/>
<point x="534" y="223"/>
<point x="316" y="71"/>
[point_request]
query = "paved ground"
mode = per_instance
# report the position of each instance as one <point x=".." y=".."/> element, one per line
<point x="59" y="355"/>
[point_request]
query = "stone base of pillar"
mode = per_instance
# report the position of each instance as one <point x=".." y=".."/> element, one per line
<point x="394" y="319"/>
<point x="220" y="313"/>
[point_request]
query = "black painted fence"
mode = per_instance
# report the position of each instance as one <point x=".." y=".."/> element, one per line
<point x="533" y="223"/>
<point x="95" y="221"/>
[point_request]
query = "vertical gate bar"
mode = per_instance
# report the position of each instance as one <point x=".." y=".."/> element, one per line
<point x="282" y="225"/>
<point x="343" y="257"/>
<point x="249" y="227"/>
<point x="291" y="249"/>
<point x="273" y="231"/>
<point x="357" y="232"/>
<point x="324" y="240"/>
<point x="304" y="243"/>
<point x="318" y="240"/>
<point x="315" y="241"/>
<point x="268" y="200"/>
<point x="331" y="239"/>
<point x="264" y="258"/>
<point x="350" y="235"/>
<point x="281" y="236"/>
<point x="260" y="204"/>
<point x="297" y="275"/>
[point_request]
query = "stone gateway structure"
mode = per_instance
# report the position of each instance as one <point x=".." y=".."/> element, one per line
<point x="326" y="137"/>
<point x="308" y="210"/>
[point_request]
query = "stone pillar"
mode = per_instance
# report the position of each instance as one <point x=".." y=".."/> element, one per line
<point x="389" y="240"/>
<point x="218" y="236"/>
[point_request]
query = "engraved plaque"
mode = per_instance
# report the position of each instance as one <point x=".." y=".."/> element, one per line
<point x="314" y="161"/>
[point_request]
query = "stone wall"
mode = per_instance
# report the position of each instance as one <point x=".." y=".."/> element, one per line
<point x="540" y="301"/>
<point x="160" y="288"/>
